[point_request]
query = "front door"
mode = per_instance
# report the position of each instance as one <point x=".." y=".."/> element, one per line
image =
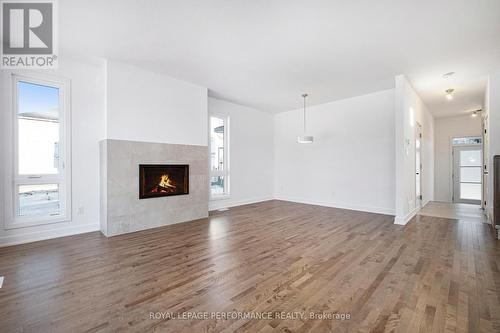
<point x="467" y="174"/>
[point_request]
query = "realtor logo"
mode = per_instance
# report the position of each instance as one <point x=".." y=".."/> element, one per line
<point x="28" y="34"/>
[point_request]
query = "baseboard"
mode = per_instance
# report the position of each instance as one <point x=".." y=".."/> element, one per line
<point x="368" y="209"/>
<point x="228" y="203"/>
<point x="403" y="220"/>
<point x="48" y="234"/>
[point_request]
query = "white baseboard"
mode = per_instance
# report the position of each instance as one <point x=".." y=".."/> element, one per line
<point x="47" y="234"/>
<point x="403" y="220"/>
<point x="228" y="203"/>
<point x="369" y="209"/>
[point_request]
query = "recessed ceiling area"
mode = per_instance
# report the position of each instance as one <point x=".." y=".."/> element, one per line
<point x="266" y="54"/>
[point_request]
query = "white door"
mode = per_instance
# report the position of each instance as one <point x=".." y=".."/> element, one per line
<point x="418" y="165"/>
<point x="485" y="161"/>
<point x="467" y="174"/>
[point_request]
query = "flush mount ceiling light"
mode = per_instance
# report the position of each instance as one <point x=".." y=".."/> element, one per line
<point x="449" y="93"/>
<point x="475" y="113"/>
<point x="448" y="75"/>
<point x="304" y="138"/>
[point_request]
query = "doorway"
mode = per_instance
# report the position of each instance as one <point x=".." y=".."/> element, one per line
<point x="467" y="174"/>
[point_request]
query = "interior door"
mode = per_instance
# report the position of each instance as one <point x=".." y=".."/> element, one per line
<point x="467" y="174"/>
<point x="418" y="165"/>
<point x="485" y="161"/>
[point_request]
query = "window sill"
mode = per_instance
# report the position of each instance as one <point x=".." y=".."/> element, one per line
<point x="34" y="223"/>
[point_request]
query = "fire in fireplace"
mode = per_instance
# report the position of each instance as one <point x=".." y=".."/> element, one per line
<point x="159" y="180"/>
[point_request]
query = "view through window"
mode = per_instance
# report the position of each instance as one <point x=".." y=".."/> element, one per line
<point x="218" y="156"/>
<point x="39" y="160"/>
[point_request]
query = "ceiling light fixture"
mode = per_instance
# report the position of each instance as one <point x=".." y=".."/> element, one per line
<point x="305" y="138"/>
<point x="475" y="113"/>
<point x="448" y="75"/>
<point x="449" y="93"/>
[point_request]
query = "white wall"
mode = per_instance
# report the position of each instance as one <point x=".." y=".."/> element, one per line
<point x="425" y="118"/>
<point x="409" y="109"/>
<point x="445" y="130"/>
<point x="351" y="162"/>
<point x="492" y="108"/>
<point x="250" y="153"/>
<point x="87" y="112"/>
<point x="147" y="106"/>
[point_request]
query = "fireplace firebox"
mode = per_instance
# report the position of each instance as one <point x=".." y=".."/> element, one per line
<point x="161" y="180"/>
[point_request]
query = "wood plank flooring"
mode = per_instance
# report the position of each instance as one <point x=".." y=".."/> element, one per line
<point x="434" y="275"/>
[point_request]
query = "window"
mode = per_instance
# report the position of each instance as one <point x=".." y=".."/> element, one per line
<point x="219" y="166"/>
<point x="40" y="148"/>
<point x="471" y="140"/>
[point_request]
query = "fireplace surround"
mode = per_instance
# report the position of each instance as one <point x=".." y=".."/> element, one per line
<point x="121" y="210"/>
<point x="161" y="180"/>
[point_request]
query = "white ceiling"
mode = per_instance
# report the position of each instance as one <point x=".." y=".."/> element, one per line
<point x="265" y="53"/>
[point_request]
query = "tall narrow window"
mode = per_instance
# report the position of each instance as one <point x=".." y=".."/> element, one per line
<point x="219" y="164"/>
<point x="41" y="133"/>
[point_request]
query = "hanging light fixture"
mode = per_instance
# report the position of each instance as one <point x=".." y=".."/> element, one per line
<point x="304" y="138"/>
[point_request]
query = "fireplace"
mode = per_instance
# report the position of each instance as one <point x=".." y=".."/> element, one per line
<point x="161" y="180"/>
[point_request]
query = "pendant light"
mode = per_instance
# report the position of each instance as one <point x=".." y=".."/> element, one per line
<point x="304" y="138"/>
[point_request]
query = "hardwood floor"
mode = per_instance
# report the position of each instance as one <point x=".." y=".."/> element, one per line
<point x="434" y="275"/>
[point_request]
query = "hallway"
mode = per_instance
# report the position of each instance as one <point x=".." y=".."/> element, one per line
<point x="458" y="211"/>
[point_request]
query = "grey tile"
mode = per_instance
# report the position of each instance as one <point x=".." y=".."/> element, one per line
<point x="124" y="211"/>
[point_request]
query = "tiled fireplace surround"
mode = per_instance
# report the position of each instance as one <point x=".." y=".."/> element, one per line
<point x="121" y="209"/>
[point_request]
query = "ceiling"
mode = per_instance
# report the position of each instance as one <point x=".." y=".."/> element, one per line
<point x="265" y="54"/>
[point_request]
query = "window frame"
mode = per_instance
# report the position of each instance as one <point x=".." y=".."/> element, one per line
<point x="226" y="169"/>
<point x="467" y="143"/>
<point x="62" y="179"/>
